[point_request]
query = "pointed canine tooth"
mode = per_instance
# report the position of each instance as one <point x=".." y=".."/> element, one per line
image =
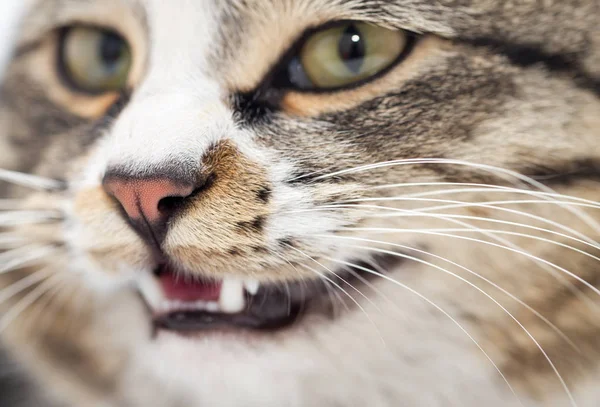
<point x="232" y="298"/>
<point x="252" y="286"/>
<point x="150" y="290"/>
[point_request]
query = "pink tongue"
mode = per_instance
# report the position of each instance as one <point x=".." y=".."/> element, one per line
<point x="177" y="288"/>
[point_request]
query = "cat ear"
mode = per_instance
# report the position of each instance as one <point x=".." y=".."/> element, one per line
<point x="11" y="12"/>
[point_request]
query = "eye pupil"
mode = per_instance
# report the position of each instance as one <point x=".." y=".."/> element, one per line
<point x="352" y="48"/>
<point x="111" y="49"/>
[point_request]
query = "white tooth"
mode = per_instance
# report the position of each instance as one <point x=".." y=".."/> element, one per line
<point x="150" y="290"/>
<point x="166" y="307"/>
<point x="232" y="298"/>
<point x="212" y="306"/>
<point x="252" y="286"/>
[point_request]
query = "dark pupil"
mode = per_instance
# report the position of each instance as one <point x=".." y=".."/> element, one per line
<point x="352" y="48"/>
<point x="111" y="50"/>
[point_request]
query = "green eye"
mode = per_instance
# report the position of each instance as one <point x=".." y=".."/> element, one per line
<point x="346" y="54"/>
<point x="95" y="60"/>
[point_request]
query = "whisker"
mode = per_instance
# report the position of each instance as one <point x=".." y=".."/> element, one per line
<point x="416" y="259"/>
<point x="8" y="241"/>
<point x="23" y="256"/>
<point x="408" y="198"/>
<point x="10" y="204"/>
<point x="521" y="252"/>
<point x="347" y="283"/>
<point x="29" y="299"/>
<point x="457" y="204"/>
<point x="31" y="181"/>
<point x="15" y="218"/>
<point x="342" y="279"/>
<point x="330" y="290"/>
<point x="323" y="276"/>
<point x="367" y="283"/>
<point x="477" y="187"/>
<point x="504" y="243"/>
<point x="516" y="224"/>
<point x="497" y="171"/>
<point x="473" y="273"/>
<point x="50" y="306"/>
<point x="445" y="313"/>
<point x="407" y="213"/>
<point x="13" y="289"/>
<point x="310" y="174"/>
<point x="488" y="190"/>
<point x="507" y="232"/>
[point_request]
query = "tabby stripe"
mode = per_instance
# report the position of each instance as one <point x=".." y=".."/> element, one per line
<point x="526" y="55"/>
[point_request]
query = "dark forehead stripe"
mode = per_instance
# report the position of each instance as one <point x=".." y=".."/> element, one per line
<point x="525" y="56"/>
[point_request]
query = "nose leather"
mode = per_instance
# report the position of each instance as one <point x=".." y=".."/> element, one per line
<point x="141" y="198"/>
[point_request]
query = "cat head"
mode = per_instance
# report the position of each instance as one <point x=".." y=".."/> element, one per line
<point x="231" y="193"/>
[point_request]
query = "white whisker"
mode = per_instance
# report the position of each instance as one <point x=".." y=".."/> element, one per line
<point x="31" y="181"/>
<point x="10" y="204"/>
<point x="409" y="198"/>
<point x="49" y="306"/>
<point x="323" y="276"/>
<point x="502" y="222"/>
<point x="408" y="213"/>
<point x="521" y="252"/>
<point x="16" y="218"/>
<point x="23" y="256"/>
<point x="506" y="232"/>
<point x="497" y="171"/>
<point x="457" y="204"/>
<point x="473" y="273"/>
<point x="8" y="241"/>
<point x="475" y="187"/>
<point x="416" y="259"/>
<point x="330" y="290"/>
<point x="445" y="313"/>
<point x="25" y="302"/>
<point x="503" y="243"/>
<point x="367" y="283"/>
<point x="310" y="174"/>
<point x="13" y="289"/>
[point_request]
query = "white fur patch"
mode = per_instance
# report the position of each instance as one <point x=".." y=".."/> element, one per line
<point x="10" y="13"/>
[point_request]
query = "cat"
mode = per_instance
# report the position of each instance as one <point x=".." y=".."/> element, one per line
<point x="302" y="203"/>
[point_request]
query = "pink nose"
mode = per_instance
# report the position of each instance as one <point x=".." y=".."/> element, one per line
<point x="146" y="199"/>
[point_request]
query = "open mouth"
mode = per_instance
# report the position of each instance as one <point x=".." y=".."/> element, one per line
<point x="195" y="305"/>
<point x="189" y="305"/>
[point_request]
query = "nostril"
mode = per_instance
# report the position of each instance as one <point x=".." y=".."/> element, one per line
<point x="170" y="204"/>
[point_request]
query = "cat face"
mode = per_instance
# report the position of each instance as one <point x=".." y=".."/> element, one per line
<point x="304" y="202"/>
